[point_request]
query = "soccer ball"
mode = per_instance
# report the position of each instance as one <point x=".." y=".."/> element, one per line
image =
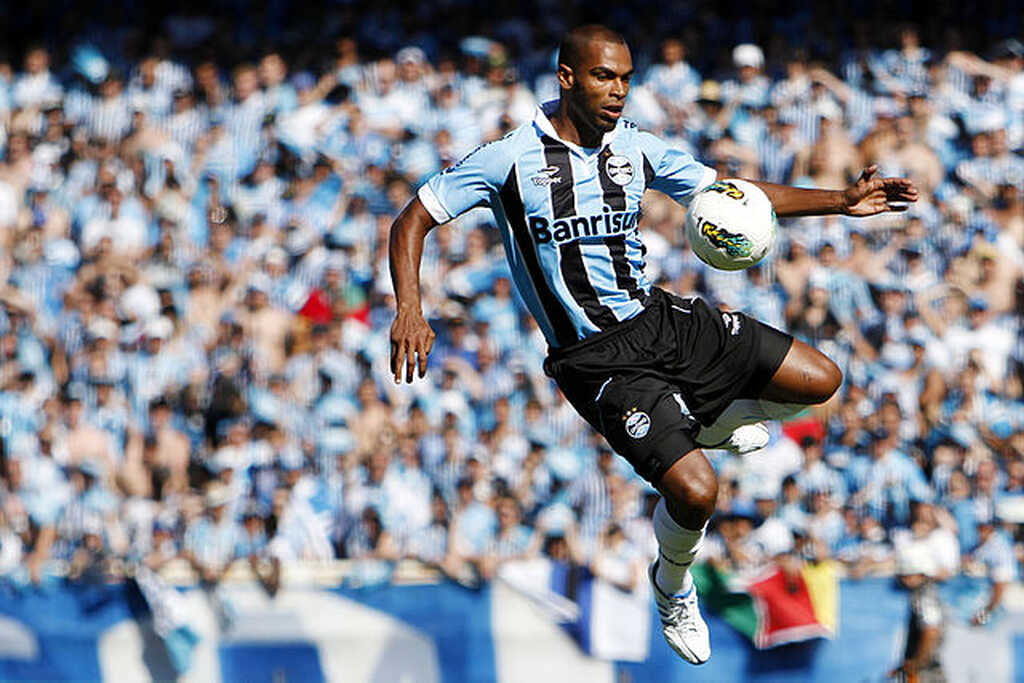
<point x="731" y="224"/>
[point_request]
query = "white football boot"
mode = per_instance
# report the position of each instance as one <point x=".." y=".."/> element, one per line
<point x="681" y="623"/>
<point x="744" y="439"/>
<point x="749" y="438"/>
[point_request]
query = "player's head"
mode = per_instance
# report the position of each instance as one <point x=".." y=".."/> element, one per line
<point x="594" y="70"/>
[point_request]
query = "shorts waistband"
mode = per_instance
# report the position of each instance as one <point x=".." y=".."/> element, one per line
<point x="560" y="352"/>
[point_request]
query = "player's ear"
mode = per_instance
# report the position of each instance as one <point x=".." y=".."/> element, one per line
<point x="566" y="77"/>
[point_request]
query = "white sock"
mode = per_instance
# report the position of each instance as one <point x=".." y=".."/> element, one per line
<point x="744" y="411"/>
<point x="780" y="411"/>
<point x="677" y="548"/>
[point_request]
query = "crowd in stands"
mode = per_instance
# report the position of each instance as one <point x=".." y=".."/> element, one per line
<point x="195" y="300"/>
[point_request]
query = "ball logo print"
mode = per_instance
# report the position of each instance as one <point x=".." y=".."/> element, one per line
<point x="638" y="423"/>
<point x="734" y="245"/>
<point x="727" y="188"/>
<point x="619" y="170"/>
<point x="731" y="224"/>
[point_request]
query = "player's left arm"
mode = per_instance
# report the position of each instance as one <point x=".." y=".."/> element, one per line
<point x="680" y="176"/>
<point x="868" y="196"/>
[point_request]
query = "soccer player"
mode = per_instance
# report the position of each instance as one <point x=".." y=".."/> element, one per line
<point x="656" y="374"/>
<point x="921" y="661"/>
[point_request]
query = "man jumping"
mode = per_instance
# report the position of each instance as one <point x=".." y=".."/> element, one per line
<point x="656" y="374"/>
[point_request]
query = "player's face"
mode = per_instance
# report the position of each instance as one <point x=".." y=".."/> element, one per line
<point x="599" y="84"/>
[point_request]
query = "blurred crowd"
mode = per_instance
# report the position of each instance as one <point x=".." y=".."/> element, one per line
<point x="195" y="298"/>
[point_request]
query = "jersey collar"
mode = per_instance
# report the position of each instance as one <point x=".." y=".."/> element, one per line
<point x="542" y="122"/>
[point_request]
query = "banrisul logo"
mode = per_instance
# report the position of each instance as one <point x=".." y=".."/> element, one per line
<point x="733" y="244"/>
<point x="607" y="222"/>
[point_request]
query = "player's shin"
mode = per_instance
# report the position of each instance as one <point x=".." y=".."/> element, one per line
<point x="780" y="411"/>
<point x="743" y="412"/>
<point x="677" y="549"/>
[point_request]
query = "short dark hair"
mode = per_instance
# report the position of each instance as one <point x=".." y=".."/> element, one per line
<point x="571" y="48"/>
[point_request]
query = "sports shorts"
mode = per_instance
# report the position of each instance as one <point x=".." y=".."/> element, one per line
<point x="649" y="383"/>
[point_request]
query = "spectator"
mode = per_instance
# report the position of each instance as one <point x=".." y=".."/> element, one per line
<point x="618" y="561"/>
<point x="194" y="300"/>
<point x="512" y="539"/>
<point x="994" y="558"/>
<point x="37" y="84"/>
<point x="212" y="540"/>
<point x="927" y="617"/>
<point x="673" y="81"/>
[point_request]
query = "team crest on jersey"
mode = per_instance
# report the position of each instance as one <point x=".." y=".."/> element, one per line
<point x="619" y="169"/>
<point x="638" y="423"/>
<point x="546" y="176"/>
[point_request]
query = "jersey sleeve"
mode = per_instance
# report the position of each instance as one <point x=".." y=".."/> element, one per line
<point x="673" y="171"/>
<point x="471" y="182"/>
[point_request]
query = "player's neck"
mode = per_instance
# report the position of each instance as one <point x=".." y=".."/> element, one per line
<point x="572" y="128"/>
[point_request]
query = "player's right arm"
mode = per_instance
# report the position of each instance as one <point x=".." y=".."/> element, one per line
<point x="472" y="182"/>
<point x="411" y="336"/>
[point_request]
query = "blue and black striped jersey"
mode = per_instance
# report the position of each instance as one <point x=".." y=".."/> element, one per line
<point x="568" y="217"/>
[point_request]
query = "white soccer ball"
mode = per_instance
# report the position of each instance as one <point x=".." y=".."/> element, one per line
<point x="731" y="224"/>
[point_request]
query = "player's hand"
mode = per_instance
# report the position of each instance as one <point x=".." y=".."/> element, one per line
<point x="411" y="342"/>
<point x="871" y="194"/>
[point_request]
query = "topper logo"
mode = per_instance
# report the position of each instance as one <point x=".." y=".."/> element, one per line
<point x="546" y="176"/>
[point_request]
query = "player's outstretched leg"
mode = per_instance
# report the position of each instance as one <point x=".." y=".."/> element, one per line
<point x="689" y="490"/>
<point x="806" y="377"/>
<point x="740" y="427"/>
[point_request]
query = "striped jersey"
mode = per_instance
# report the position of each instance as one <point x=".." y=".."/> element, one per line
<point x="568" y="216"/>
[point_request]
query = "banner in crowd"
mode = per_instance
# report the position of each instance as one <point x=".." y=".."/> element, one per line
<point x="774" y="606"/>
<point x="445" y="632"/>
<point x="606" y="622"/>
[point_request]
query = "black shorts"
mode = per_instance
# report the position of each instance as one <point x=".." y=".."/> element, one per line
<point x="649" y="383"/>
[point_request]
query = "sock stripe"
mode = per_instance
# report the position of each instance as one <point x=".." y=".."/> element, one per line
<point x="671" y="561"/>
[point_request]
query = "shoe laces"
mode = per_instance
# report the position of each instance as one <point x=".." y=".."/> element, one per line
<point x="679" y="613"/>
<point x="685" y="617"/>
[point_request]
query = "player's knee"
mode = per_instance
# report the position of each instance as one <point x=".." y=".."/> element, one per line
<point x="806" y="377"/>
<point x="690" y="489"/>
<point x="827" y="378"/>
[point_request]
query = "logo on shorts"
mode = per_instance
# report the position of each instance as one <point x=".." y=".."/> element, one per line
<point x="732" y="323"/>
<point x="683" y="408"/>
<point x="619" y="169"/>
<point x="638" y="423"/>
